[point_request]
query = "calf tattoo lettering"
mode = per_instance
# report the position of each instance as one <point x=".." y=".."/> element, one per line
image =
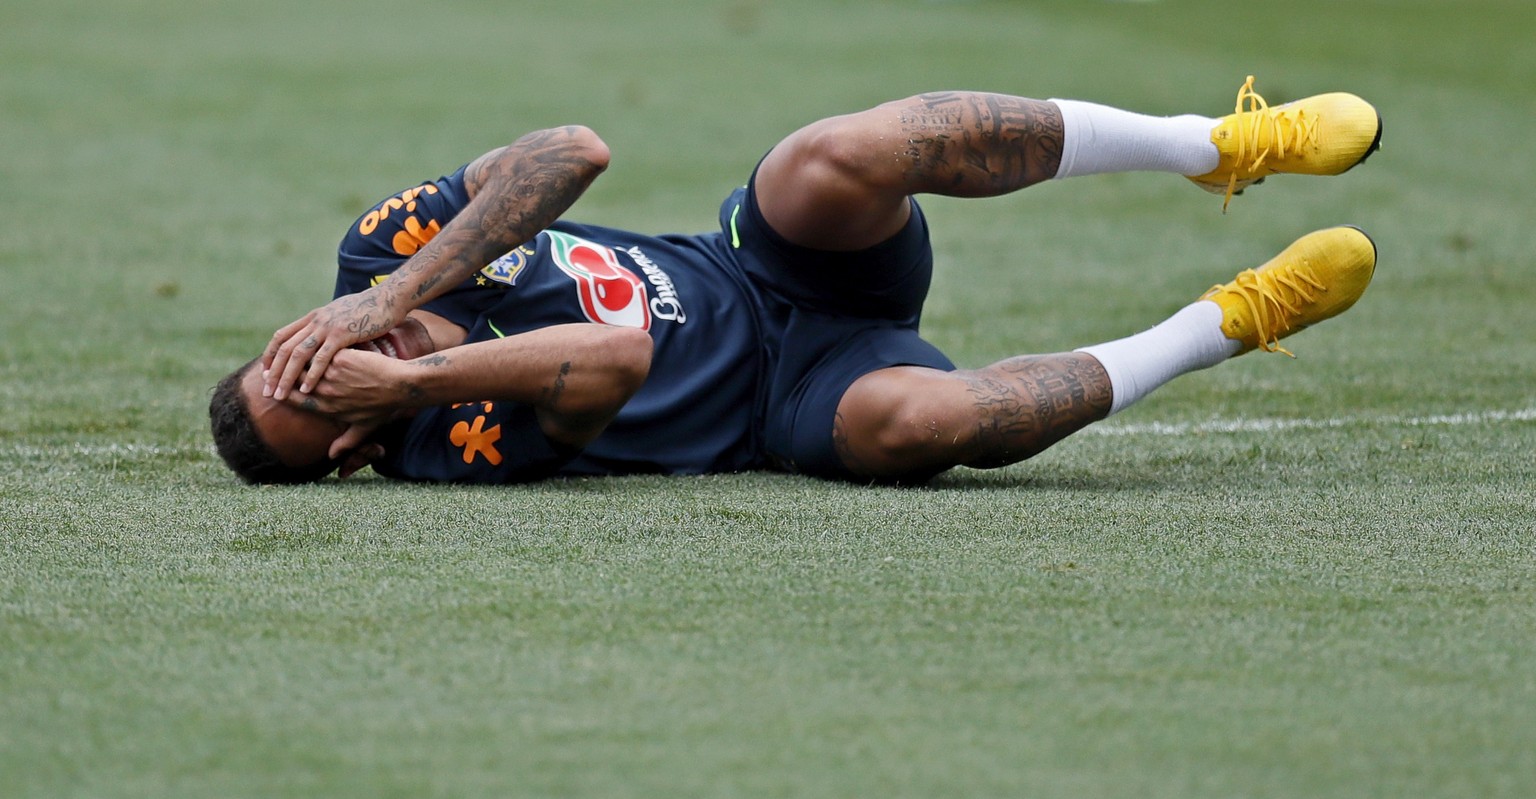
<point x="1028" y="403"/>
<point x="970" y="143"/>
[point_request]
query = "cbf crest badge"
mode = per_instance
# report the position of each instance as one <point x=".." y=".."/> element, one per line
<point x="505" y="269"/>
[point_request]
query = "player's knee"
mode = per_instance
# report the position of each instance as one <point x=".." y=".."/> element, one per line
<point x="898" y="434"/>
<point x="837" y="148"/>
<point x="913" y="431"/>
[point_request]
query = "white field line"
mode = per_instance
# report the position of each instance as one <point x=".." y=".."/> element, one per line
<point x="1279" y="425"/>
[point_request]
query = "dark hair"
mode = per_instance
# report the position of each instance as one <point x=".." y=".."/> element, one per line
<point x="241" y="446"/>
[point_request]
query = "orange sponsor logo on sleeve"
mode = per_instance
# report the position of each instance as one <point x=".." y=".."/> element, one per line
<point x="412" y="234"/>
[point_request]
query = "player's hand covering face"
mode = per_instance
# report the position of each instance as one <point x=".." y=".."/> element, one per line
<point x="309" y="344"/>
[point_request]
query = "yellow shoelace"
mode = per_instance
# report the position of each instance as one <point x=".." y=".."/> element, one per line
<point x="1302" y="128"/>
<point x="1271" y="310"/>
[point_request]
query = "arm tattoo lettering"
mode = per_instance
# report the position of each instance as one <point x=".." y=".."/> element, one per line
<point x="414" y="393"/>
<point x="551" y="394"/>
<point x="426" y="286"/>
<point x="365" y="325"/>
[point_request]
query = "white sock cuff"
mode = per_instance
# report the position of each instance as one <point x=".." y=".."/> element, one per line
<point x="1136" y="365"/>
<point x="1076" y="128"/>
<point x="1122" y="383"/>
<point x="1097" y="139"/>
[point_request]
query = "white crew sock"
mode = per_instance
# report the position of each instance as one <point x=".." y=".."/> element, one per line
<point x="1189" y="340"/>
<point x="1098" y="139"/>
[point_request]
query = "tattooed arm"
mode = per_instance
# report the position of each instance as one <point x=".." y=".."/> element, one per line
<point x="515" y="192"/>
<point x="575" y="376"/>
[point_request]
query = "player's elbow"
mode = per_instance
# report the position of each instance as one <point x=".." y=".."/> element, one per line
<point x="631" y="351"/>
<point x="577" y="151"/>
<point x="590" y="147"/>
<point x="613" y="370"/>
<point x="588" y="396"/>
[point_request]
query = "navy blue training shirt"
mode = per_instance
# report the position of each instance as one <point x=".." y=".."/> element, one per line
<point x="697" y="410"/>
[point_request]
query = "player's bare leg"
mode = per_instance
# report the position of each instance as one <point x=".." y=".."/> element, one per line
<point x="909" y="423"/>
<point x="842" y="183"/>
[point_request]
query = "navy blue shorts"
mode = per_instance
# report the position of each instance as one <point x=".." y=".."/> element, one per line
<point x="842" y="316"/>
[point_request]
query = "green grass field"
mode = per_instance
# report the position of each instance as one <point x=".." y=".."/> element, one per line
<point x="1310" y="578"/>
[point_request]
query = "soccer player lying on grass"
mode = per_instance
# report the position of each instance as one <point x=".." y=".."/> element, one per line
<point x="477" y="337"/>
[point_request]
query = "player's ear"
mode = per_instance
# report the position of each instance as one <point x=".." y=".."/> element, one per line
<point x="353" y="438"/>
<point x="360" y="457"/>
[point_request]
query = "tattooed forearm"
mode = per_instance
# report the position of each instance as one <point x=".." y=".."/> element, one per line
<point x="976" y="144"/>
<point x="517" y="191"/>
<point x="426" y="286"/>
<point x="1026" y="404"/>
<point x="412" y="393"/>
<point x="530" y="184"/>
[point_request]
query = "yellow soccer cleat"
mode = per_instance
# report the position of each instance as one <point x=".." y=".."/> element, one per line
<point x="1316" y="278"/>
<point x="1326" y="134"/>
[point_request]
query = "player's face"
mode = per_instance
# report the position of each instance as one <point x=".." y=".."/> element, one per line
<point x="300" y="437"/>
